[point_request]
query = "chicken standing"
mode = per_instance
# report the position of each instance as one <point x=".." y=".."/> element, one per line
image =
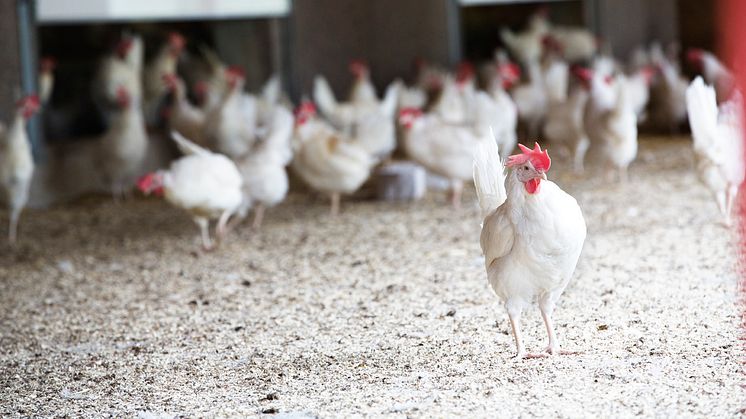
<point x="718" y="143"/>
<point x="17" y="162"/>
<point x="564" y="120"/>
<point x="446" y="149"/>
<point x="363" y="92"/>
<point x="46" y="79"/>
<point x="184" y="118"/>
<point x="532" y="235"/>
<point x="263" y="170"/>
<point x="715" y="72"/>
<point x="122" y="69"/>
<point x="609" y="120"/>
<point x="231" y="126"/>
<point x="163" y="64"/>
<point x="122" y="149"/>
<point x="325" y="159"/>
<point x="207" y="185"/>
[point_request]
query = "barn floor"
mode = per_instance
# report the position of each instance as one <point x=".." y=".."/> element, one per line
<point x="109" y="310"/>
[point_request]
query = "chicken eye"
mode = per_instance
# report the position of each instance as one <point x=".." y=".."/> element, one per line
<point x="525" y="167"/>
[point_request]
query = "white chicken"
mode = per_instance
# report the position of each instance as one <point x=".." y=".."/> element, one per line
<point x="668" y="94"/>
<point x="184" y="118"/>
<point x="122" y="69"/>
<point x="207" y="185"/>
<point x="17" y="162"/>
<point x="325" y="159"/>
<point x="526" y="46"/>
<point x="715" y="72"/>
<point x="455" y="105"/>
<point x="504" y="117"/>
<point x="122" y="149"/>
<point x="231" y="126"/>
<point x="564" y="120"/>
<point x="610" y="121"/>
<point x="531" y="100"/>
<point x="718" y="143"/>
<point x="164" y="63"/>
<point x="446" y="149"/>
<point x="46" y="79"/>
<point x="637" y="87"/>
<point x="362" y="92"/>
<point x="263" y="170"/>
<point x="370" y="122"/>
<point x="532" y="235"/>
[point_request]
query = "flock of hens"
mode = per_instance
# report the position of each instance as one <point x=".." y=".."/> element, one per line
<point x="236" y="146"/>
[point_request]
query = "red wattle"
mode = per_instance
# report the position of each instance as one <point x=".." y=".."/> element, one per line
<point x="532" y="186"/>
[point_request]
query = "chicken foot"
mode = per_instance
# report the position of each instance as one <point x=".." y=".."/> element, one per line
<point x="336" y="197"/>
<point x="204" y="227"/>
<point x="258" y="217"/>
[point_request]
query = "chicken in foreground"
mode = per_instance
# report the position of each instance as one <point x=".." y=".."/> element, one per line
<point x="16" y="162"/>
<point x="205" y="184"/>
<point x="718" y="143"/>
<point x="532" y="235"/>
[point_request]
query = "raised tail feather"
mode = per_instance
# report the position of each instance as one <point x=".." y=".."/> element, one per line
<point x="489" y="177"/>
<point x="324" y="96"/>
<point x="702" y="110"/>
<point x="185" y="146"/>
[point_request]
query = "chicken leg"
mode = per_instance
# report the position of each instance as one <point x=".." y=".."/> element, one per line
<point x="457" y="187"/>
<point x="204" y="227"/>
<point x="15" y="214"/>
<point x="546" y="306"/>
<point x="221" y="228"/>
<point x="258" y="217"/>
<point x="336" y="196"/>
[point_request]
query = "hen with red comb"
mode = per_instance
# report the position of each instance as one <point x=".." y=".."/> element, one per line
<point x="532" y="235"/>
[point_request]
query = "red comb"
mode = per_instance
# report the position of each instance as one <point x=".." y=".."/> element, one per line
<point x="235" y="71"/>
<point x="123" y="96"/>
<point x="305" y="110"/>
<point x="170" y="79"/>
<point x="200" y="87"/>
<point x="410" y="112"/>
<point x="358" y="67"/>
<point x="582" y="73"/>
<point x="694" y="54"/>
<point x="538" y="158"/>
<point x="464" y="71"/>
<point x="176" y="40"/>
<point x="124" y="46"/>
<point x="648" y="72"/>
<point x="47" y="64"/>
<point x="29" y="101"/>
<point x="509" y="71"/>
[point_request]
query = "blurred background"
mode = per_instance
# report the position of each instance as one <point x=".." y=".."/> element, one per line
<point x="299" y="39"/>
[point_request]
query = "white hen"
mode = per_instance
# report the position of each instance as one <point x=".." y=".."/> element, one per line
<point x="532" y="235"/>
<point x="205" y="184"/>
<point x="263" y="170"/>
<point x="325" y="159"/>
<point x="442" y="148"/>
<point x="231" y="125"/>
<point x="718" y="143"/>
<point x="16" y="162"/>
<point x="122" y="149"/>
